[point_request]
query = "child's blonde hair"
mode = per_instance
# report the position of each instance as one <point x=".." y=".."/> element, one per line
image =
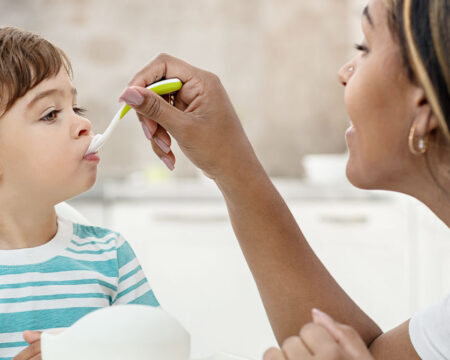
<point x="26" y="60"/>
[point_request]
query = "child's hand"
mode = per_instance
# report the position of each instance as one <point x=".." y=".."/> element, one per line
<point x="33" y="351"/>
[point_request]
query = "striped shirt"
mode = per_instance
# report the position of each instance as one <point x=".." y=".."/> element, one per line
<point x="81" y="269"/>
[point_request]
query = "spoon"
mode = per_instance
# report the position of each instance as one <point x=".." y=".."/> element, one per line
<point x="163" y="87"/>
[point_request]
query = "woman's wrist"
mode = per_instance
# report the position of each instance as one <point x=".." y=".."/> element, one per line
<point x="240" y="178"/>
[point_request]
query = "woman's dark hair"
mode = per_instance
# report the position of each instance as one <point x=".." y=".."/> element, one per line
<point x="422" y="30"/>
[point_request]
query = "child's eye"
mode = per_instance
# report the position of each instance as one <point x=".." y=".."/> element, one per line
<point x="79" y="111"/>
<point x="361" y="47"/>
<point x="51" y="116"/>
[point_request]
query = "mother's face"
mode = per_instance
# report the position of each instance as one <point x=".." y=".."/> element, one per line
<point x="378" y="101"/>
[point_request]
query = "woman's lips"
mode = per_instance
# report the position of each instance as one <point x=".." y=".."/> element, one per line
<point x="349" y="133"/>
<point x="91" y="157"/>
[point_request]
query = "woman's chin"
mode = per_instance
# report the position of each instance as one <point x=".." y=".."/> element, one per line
<point x="357" y="177"/>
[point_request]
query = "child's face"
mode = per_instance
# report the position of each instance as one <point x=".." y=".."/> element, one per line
<point x="42" y="144"/>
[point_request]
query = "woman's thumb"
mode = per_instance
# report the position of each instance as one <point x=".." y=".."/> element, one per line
<point x="151" y="106"/>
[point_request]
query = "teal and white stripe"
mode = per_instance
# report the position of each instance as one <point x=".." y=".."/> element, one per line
<point x="81" y="269"/>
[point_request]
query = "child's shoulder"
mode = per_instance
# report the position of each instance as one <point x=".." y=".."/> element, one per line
<point x="83" y="231"/>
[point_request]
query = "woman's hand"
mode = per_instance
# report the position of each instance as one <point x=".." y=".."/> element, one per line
<point x="203" y="120"/>
<point x="324" y="339"/>
<point x="33" y="351"/>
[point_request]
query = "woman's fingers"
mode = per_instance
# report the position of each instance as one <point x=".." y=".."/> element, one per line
<point x="166" y="66"/>
<point x="317" y="339"/>
<point x="274" y="354"/>
<point x="202" y="120"/>
<point x="159" y="135"/>
<point x="167" y="159"/>
<point x="295" y="349"/>
<point x="347" y="337"/>
<point x="155" y="132"/>
<point x="322" y="339"/>
<point x="163" y="66"/>
<point x="148" y="126"/>
<point x="152" y="106"/>
<point x="162" y="139"/>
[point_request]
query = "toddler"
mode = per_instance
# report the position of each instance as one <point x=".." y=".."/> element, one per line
<point x="52" y="271"/>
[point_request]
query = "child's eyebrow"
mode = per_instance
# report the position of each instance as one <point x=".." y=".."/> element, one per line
<point x="46" y="93"/>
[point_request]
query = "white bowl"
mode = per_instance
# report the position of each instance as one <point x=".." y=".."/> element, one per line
<point x="134" y="332"/>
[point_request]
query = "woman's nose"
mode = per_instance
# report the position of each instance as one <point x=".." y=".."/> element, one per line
<point x="345" y="72"/>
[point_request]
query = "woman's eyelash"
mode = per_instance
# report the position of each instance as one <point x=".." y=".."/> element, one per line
<point x="361" y="47"/>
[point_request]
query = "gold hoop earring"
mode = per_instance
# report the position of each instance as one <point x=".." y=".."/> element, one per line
<point x="422" y="143"/>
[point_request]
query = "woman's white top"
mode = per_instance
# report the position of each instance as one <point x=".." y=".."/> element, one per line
<point x="429" y="331"/>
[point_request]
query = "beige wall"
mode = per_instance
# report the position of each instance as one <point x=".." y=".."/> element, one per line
<point x="277" y="58"/>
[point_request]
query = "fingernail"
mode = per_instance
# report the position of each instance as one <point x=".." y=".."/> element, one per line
<point x="147" y="132"/>
<point x="132" y="97"/>
<point x="162" y="145"/>
<point x="168" y="162"/>
<point x="317" y="312"/>
<point x="152" y="126"/>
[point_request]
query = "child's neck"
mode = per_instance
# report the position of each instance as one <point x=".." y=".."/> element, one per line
<point x="26" y="226"/>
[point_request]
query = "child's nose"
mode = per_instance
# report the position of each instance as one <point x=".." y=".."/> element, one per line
<point x="83" y="127"/>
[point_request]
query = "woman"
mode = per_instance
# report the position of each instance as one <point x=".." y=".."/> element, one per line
<point x="397" y="97"/>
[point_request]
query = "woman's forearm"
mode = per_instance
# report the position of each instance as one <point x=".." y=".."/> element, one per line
<point x="290" y="277"/>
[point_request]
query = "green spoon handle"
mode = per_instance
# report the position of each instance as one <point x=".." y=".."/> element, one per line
<point x="162" y="87"/>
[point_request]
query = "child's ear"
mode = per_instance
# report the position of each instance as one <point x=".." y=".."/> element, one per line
<point x="424" y="118"/>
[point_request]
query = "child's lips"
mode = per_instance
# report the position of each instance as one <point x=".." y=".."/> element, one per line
<point x="91" y="157"/>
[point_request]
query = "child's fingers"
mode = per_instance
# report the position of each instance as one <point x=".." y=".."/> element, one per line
<point x="31" y="336"/>
<point x="30" y="352"/>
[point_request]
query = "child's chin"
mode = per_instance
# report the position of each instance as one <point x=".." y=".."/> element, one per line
<point x="86" y="186"/>
<point x="91" y="182"/>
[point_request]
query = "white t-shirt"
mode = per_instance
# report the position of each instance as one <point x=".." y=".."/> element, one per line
<point x="429" y="331"/>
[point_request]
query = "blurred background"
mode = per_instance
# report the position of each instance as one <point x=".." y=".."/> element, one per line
<point x="278" y="59"/>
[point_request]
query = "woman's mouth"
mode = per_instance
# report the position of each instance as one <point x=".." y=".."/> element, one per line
<point x="91" y="157"/>
<point x="349" y="133"/>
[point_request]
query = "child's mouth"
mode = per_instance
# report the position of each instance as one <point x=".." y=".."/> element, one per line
<point x="91" y="157"/>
